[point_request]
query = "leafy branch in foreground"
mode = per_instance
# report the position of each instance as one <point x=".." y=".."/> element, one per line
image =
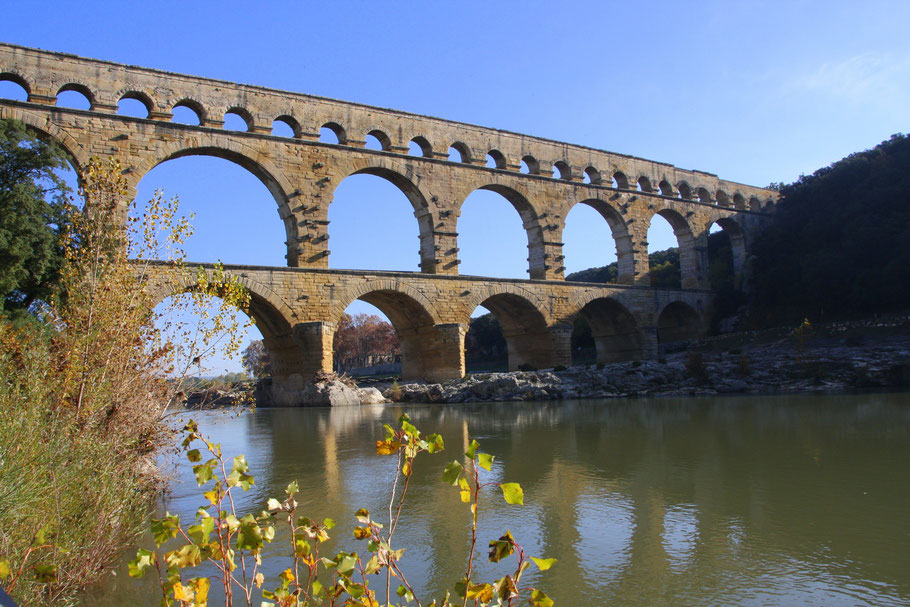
<point x="232" y="543"/>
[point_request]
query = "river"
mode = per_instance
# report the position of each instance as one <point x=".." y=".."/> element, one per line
<point x="772" y="500"/>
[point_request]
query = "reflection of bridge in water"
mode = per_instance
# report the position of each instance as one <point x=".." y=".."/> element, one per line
<point x="298" y="307"/>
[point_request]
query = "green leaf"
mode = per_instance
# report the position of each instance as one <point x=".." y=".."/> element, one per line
<point x="165" y="528"/>
<point x="240" y="464"/>
<point x="201" y="531"/>
<point x="472" y="449"/>
<point x="189" y="555"/>
<point x="404" y="593"/>
<point x="410" y="430"/>
<point x="346" y="564"/>
<point x="543" y="564"/>
<point x="273" y="504"/>
<point x="435" y="443"/>
<point x="204" y="472"/>
<point x="250" y="535"/>
<point x="137" y="567"/>
<point x="452" y="472"/>
<point x="45" y="574"/>
<point x="539" y="599"/>
<point x="293" y="489"/>
<point x="363" y="515"/>
<point x="329" y="523"/>
<point x="194" y="456"/>
<point x="485" y="460"/>
<point x="502" y="548"/>
<point x="513" y="493"/>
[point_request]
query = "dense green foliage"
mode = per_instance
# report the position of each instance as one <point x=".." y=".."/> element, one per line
<point x="32" y="213"/>
<point x="839" y="244"/>
<point x="664" y="271"/>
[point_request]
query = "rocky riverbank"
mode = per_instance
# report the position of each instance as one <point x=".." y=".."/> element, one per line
<point x="777" y="366"/>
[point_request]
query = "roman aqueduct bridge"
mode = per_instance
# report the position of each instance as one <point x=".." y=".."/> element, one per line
<point x="297" y="307"/>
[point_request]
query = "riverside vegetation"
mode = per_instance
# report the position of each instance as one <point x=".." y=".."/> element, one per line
<point x="84" y="366"/>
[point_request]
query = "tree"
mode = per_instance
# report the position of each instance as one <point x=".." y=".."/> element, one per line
<point x="256" y="359"/>
<point x="360" y="338"/>
<point x="33" y="208"/>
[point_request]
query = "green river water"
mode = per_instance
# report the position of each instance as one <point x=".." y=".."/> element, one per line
<point x="772" y="500"/>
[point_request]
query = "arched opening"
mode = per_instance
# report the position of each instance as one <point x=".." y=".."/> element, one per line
<point x="754" y="204"/>
<point x="510" y="333"/>
<point x="459" y="152"/>
<point x="663" y="253"/>
<point x="678" y="321"/>
<point x="237" y="119"/>
<point x="492" y="241"/>
<point x="620" y="181"/>
<point x="529" y="165"/>
<point x="685" y="192"/>
<point x="561" y="170"/>
<point x="597" y="246"/>
<point x="722" y="199"/>
<point x="419" y="146"/>
<point x="133" y="108"/>
<point x="496" y="160"/>
<point x="332" y="132"/>
<point x="726" y="253"/>
<point x="739" y="202"/>
<point x="420" y="348"/>
<point x="74" y="96"/>
<point x="285" y="126"/>
<point x="613" y="330"/>
<point x="366" y="343"/>
<point x="236" y="218"/>
<point x="13" y="87"/>
<point x="704" y="196"/>
<point x="372" y="225"/>
<point x="644" y="184"/>
<point x="377" y="140"/>
<point x="187" y="112"/>
<point x="592" y="176"/>
<point x="200" y="327"/>
<point x="134" y="104"/>
<point x="666" y="188"/>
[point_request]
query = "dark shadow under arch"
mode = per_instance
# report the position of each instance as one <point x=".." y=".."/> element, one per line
<point x="678" y="321"/>
<point x="524" y="328"/>
<point x="615" y="332"/>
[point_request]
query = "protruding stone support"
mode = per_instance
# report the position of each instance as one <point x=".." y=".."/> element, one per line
<point x="314" y="340"/>
<point x="561" y="336"/>
<point x="532" y="348"/>
<point x="638" y="251"/>
<point x="448" y="363"/>
<point x="649" y="343"/>
<point x="625" y="260"/>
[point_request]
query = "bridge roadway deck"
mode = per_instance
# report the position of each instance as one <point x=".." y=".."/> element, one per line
<point x="298" y="309"/>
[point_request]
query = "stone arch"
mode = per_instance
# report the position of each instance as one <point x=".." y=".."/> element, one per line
<point x="685" y="190"/>
<point x="739" y="202"/>
<point x="47" y="130"/>
<point x="678" y="321"/>
<point x="530" y="223"/>
<point x="239" y="154"/>
<point x="737" y="236"/>
<point x="644" y="184"/>
<point x="140" y="96"/>
<point x="273" y="316"/>
<point x="524" y="323"/>
<point x="17" y="78"/>
<point x="385" y="142"/>
<point x="690" y="277"/>
<point x="616" y="333"/>
<point x="291" y="122"/>
<point x="622" y="239"/>
<point x="195" y="106"/>
<point x="532" y="163"/>
<point x="622" y="182"/>
<point x="464" y="151"/>
<point x="414" y="318"/>
<point x="755" y="204"/>
<point x="562" y="170"/>
<point x="244" y="114"/>
<point x="426" y="149"/>
<point x="499" y="159"/>
<point x="80" y="88"/>
<point x="704" y="196"/>
<point x="594" y="176"/>
<point x="723" y="200"/>
<point x="419" y="203"/>
<point x="666" y="188"/>
<point x="339" y="131"/>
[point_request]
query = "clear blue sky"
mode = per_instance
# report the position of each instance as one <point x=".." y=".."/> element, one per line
<point x="753" y="91"/>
